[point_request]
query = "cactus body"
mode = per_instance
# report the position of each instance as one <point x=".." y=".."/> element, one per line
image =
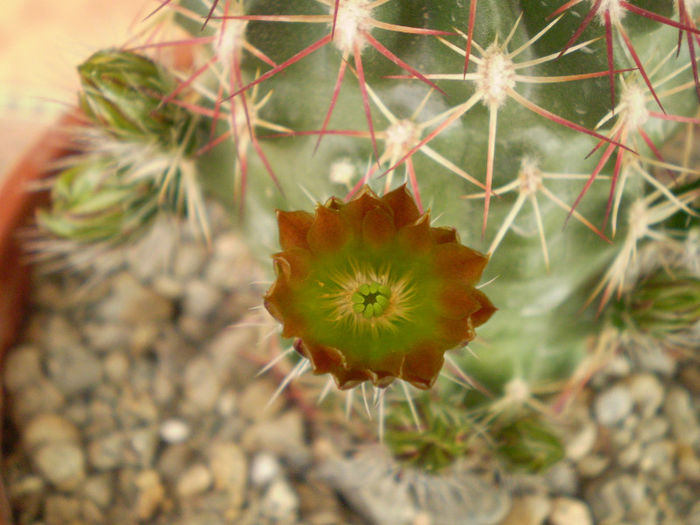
<point x="532" y="128"/>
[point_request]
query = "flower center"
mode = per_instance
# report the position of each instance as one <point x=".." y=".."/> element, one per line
<point x="371" y="299"/>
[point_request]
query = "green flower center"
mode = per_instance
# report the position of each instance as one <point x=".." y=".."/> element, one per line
<point x="371" y="299"/>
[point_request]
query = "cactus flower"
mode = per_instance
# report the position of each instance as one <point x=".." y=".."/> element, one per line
<point x="370" y="291"/>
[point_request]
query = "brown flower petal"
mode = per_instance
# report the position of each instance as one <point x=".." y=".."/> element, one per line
<point x="294" y="227"/>
<point x="403" y="205"/>
<point x="443" y="235"/>
<point x="458" y="300"/>
<point x="377" y="228"/>
<point x="328" y="231"/>
<point x="455" y="332"/>
<point x="279" y="301"/>
<point x="354" y="211"/>
<point x="422" y="365"/>
<point x="456" y="261"/>
<point x="417" y="237"/>
<point x="324" y="359"/>
<point x="485" y="312"/>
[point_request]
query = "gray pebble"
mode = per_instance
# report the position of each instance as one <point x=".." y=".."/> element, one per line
<point x="107" y="452"/>
<point x="612" y="405"/>
<point x="653" y="429"/>
<point x="142" y="446"/>
<point x="201" y="299"/>
<point x="74" y="370"/>
<point x="658" y="459"/>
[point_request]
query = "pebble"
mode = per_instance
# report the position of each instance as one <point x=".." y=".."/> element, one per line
<point x="201" y="299"/>
<point x="49" y="428"/>
<point x="658" y="459"/>
<point x="568" y="511"/>
<point x="282" y="436"/>
<point x="74" y="371"/>
<point x="62" y="464"/>
<point x="652" y="429"/>
<point x="36" y="398"/>
<point x="581" y="442"/>
<point x="256" y="402"/>
<point x="280" y="502"/>
<point x="201" y="386"/>
<point x="98" y="488"/>
<point x="22" y="368"/>
<point x="151" y="494"/>
<point x="264" y="468"/>
<point x="612" y="405"/>
<point x="528" y="510"/>
<point x="229" y="467"/>
<point x="60" y="510"/>
<point x="131" y="302"/>
<point x="689" y="463"/>
<point x="107" y="452"/>
<point x="647" y="393"/>
<point x="116" y="367"/>
<point x="174" y="431"/>
<point x="195" y="480"/>
<point x="681" y="413"/>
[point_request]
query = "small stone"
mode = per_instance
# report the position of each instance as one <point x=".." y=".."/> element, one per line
<point x="647" y="393"/>
<point x="173" y="460"/>
<point x="528" y="510"/>
<point x="568" y="511"/>
<point x="280" y="502"/>
<point x="189" y="260"/>
<point x="561" y="478"/>
<point x="592" y="465"/>
<point x="151" y="494"/>
<point x="49" y="428"/>
<point x="282" y="436"/>
<point x="658" y="458"/>
<point x="612" y="405"/>
<point x="168" y="287"/>
<point x="62" y="464"/>
<point x="201" y="298"/>
<point x="131" y="302"/>
<point x="688" y="463"/>
<point x="681" y="413"/>
<point x="194" y="480"/>
<point x="99" y="490"/>
<point x="653" y="429"/>
<point x="658" y="360"/>
<point x="74" y="370"/>
<point x="629" y="455"/>
<point x="694" y="515"/>
<point x="143" y="443"/>
<point x="105" y="337"/>
<point x="26" y="485"/>
<point x="36" y="398"/>
<point x="116" y="367"/>
<point x="174" y="431"/>
<point x="59" y="510"/>
<point x="264" y="468"/>
<point x="201" y="384"/>
<point x="229" y="466"/>
<point x="690" y="378"/>
<point x="581" y="443"/>
<point x="22" y="367"/>
<point x="256" y="401"/>
<point x="226" y="406"/>
<point x="107" y="452"/>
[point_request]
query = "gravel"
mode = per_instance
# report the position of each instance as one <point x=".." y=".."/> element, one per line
<point x="135" y="400"/>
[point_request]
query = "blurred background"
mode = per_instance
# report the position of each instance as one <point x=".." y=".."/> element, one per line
<point x="41" y="43"/>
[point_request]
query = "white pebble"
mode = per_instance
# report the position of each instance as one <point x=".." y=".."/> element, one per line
<point x="264" y="469"/>
<point x="174" y="431"/>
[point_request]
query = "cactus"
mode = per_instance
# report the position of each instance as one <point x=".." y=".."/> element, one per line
<point x="533" y="129"/>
